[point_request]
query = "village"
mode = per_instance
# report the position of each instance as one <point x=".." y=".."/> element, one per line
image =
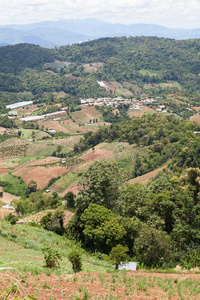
<point x="134" y="104"/>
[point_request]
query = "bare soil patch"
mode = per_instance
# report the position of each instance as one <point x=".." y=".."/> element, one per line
<point x="196" y="107"/>
<point x="93" y="67"/>
<point x="3" y="170"/>
<point x="96" y="154"/>
<point x="67" y="121"/>
<point x="195" y="118"/>
<point x="144" y="178"/>
<point x="41" y="175"/>
<point x="2" y="130"/>
<point x="7" y="197"/>
<point x="74" y="188"/>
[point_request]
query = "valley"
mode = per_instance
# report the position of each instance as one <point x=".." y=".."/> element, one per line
<point x="99" y="162"/>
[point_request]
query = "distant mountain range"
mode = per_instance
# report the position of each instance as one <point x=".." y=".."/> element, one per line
<point x="63" y="32"/>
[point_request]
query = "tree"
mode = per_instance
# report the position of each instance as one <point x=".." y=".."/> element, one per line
<point x="54" y="222"/>
<point x="101" y="228"/>
<point x="33" y="135"/>
<point x="152" y="246"/>
<point x="119" y="254"/>
<point x="99" y="185"/>
<point x="70" y="198"/>
<point x="32" y="186"/>
<point x="59" y="149"/>
<point x="75" y="258"/>
<point x="132" y="201"/>
<point x="12" y="219"/>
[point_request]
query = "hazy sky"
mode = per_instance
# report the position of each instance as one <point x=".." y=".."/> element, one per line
<point x="171" y="13"/>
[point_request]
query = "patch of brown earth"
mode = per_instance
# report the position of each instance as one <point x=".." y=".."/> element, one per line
<point x="7" y="197"/>
<point x="41" y="175"/>
<point x="74" y="188"/>
<point x="144" y="178"/>
<point x="96" y="154"/>
<point x="195" y="118"/>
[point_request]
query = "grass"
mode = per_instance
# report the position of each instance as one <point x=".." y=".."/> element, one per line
<point x="22" y="246"/>
<point x="27" y="133"/>
<point x="24" y="159"/>
<point x="170" y="84"/>
<point x="148" y="72"/>
<point x="64" y="182"/>
<point x="16" y="185"/>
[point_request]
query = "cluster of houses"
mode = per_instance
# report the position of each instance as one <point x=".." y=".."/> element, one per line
<point x="133" y="103"/>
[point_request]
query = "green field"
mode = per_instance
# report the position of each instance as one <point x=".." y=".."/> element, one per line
<point x="21" y="247"/>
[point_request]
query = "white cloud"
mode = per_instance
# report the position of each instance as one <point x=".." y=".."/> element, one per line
<point x="172" y="13"/>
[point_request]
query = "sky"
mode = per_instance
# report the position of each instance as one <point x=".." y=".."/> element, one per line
<point x="170" y="13"/>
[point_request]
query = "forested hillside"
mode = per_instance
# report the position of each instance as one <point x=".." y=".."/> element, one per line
<point x="132" y="66"/>
<point x="166" y="138"/>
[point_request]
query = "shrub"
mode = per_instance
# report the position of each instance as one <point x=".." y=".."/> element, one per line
<point x="11" y="219"/>
<point x="51" y="257"/>
<point x="75" y="258"/>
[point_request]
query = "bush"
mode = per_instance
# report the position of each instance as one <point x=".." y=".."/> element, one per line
<point x="11" y="219"/>
<point x="75" y="258"/>
<point x="51" y="257"/>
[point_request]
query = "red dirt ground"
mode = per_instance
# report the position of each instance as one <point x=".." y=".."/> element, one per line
<point x="144" y="178"/>
<point x="71" y="286"/>
<point x="195" y="118"/>
<point x="97" y="154"/>
<point x="3" y="170"/>
<point x="68" y="121"/>
<point x="196" y="107"/>
<point x="41" y="175"/>
<point x="74" y="188"/>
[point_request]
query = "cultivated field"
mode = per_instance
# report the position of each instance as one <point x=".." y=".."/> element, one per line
<point x="49" y="124"/>
<point x="141" y="112"/>
<point x="119" y="285"/>
<point x="85" y="115"/>
<point x="41" y="175"/>
<point x="144" y="178"/>
<point x="21" y="248"/>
